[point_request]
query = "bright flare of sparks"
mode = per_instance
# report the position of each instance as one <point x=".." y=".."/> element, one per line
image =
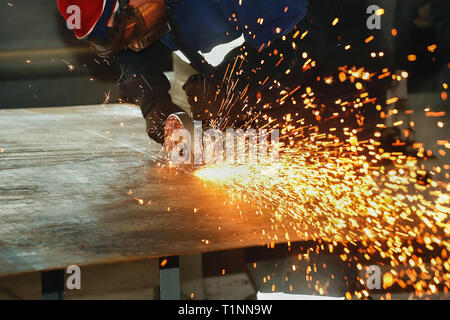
<point x="337" y="197"/>
<point x="340" y="192"/>
<point x="314" y="194"/>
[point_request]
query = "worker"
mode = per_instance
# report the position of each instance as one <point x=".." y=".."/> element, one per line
<point x="273" y="47"/>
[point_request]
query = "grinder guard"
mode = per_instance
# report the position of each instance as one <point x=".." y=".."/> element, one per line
<point x="179" y="121"/>
<point x="134" y="28"/>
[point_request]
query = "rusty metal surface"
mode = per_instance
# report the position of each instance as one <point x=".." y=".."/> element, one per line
<point x="72" y="181"/>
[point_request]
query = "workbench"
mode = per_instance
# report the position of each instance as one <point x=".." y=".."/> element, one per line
<point x="85" y="186"/>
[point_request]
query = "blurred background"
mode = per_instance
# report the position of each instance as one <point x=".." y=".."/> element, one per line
<point x="43" y="64"/>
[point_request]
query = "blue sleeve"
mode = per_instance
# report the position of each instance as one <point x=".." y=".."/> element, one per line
<point x="263" y="21"/>
<point x="101" y="28"/>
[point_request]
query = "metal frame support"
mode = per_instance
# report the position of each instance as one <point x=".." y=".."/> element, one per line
<point x="169" y="278"/>
<point x="52" y="284"/>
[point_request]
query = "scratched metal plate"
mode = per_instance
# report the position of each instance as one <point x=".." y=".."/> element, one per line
<point x="66" y="177"/>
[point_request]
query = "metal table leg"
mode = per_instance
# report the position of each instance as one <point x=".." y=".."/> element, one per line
<point x="169" y="278"/>
<point x="52" y="285"/>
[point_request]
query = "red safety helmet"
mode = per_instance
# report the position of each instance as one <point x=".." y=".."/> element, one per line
<point x="92" y="12"/>
<point x="134" y="28"/>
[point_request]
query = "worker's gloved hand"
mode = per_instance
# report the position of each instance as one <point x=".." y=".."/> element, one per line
<point x="154" y="100"/>
<point x="156" y="118"/>
<point x="204" y="97"/>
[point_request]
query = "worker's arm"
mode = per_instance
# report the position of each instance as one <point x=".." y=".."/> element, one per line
<point x="144" y="83"/>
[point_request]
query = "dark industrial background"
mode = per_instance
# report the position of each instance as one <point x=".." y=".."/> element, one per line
<point x="36" y="52"/>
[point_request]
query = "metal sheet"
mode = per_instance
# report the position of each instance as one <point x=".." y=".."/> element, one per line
<point x="71" y="183"/>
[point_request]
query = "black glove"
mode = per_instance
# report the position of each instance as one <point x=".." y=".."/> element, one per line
<point x="156" y="118"/>
<point x="203" y="96"/>
<point x="155" y="105"/>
